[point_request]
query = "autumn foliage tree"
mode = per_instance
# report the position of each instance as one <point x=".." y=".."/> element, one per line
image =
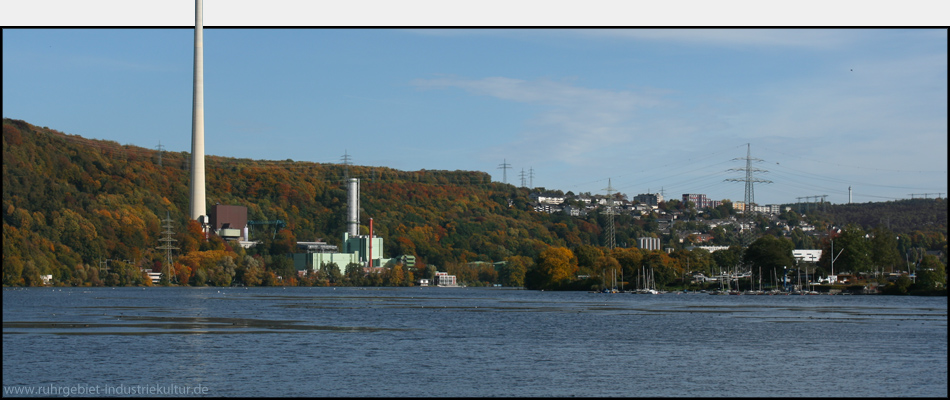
<point x="554" y="268"/>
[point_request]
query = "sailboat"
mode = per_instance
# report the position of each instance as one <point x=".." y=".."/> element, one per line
<point x="652" y="288"/>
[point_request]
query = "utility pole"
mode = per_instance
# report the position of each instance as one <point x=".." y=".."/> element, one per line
<point x="504" y="166"/>
<point x="531" y="176"/>
<point x="522" y="178"/>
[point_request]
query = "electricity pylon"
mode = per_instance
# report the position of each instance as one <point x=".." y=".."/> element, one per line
<point x="749" y="179"/>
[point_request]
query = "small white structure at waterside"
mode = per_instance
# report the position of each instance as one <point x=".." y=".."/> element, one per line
<point x="444" y="279"/>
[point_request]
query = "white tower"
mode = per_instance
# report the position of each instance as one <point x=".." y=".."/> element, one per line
<point x="197" y="205"/>
<point x="353" y="208"/>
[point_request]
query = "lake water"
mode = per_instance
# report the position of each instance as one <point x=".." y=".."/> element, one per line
<point x="451" y="342"/>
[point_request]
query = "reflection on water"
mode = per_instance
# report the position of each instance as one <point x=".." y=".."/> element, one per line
<point x="475" y="342"/>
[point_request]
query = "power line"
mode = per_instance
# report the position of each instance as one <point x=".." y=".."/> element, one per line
<point x="851" y="166"/>
<point x="939" y="195"/>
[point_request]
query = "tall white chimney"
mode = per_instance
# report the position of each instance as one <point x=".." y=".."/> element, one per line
<point x="353" y="207"/>
<point x="197" y="205"/>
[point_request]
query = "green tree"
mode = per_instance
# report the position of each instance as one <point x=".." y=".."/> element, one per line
<point x="900" y="286"/>
<point x="512" y="273"/>
<point x="587" y="257"/>
<point x="771" y="254"/>
<point x="932" y="273"/>
<point x="332" y="272"/>
<point x="884" y="253"/>
<point x="854" y="249"/>
<point x="250" y="272"/>
<point x="223" y="272"/>
<point x="354" y="275"/>
<point x="12" y="271"/>
<point x="728" y="258"/>
<point x="200" y="278"/>
<point x="282" y="266"/>
<point x="31" y="274"/>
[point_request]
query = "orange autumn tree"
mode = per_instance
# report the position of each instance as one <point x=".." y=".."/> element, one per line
<point x="555" y="268"/>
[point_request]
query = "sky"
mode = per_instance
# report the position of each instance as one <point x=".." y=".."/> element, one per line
<point x="672" y="110"/>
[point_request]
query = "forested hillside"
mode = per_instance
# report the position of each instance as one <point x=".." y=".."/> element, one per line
<point x="71" y="201"/>
<point x="903" y="216"/>
<point x="89" y="212"/>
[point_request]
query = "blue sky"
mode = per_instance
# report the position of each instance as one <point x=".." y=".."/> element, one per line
<point x="649" y="109"/>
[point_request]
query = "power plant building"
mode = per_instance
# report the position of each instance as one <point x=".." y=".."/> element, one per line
<point x="365" y="250"/>
<point x="229" y="222"/>
<point x="363" y="245"/>
<point x="314" y="261"/>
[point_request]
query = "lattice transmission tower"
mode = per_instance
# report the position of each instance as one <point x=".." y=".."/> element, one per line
<point x="168" y="247"/>
<point x="611" y="232"/>
<point x="749" y="179"/>
<point x="347" y="160"/>
<point x="504" y="166"/>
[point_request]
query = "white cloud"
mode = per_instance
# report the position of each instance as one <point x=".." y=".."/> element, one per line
<point x="576" y="120"/>
<point x="804" y="38"/>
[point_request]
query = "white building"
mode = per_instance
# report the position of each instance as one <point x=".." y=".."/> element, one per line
<point x="444" y="279"/>
<point x="649" y="243"/>
<point x="769" y="209"/>
<point x="811" y="256"/>
<point x="710" y="249"/>
<point x="547" y="198"/>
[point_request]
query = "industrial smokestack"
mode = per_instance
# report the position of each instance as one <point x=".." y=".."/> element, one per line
<point x="198" y="126"/>
<point x="371" y="243"/>
<point x="353" y="207"/>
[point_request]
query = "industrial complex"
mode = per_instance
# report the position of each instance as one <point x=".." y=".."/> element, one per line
<point x="230" y="221"/>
